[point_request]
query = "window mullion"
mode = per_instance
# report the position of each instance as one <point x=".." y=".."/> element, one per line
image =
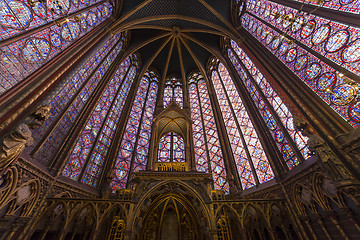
<point x="103" y="123"/>
<point x="46" y="25"/>
<point x="138" y="132"/>
<point x="239" y="129"/>
<point x="203" y="128"/>
<point x="50" y="130"/>
<point x="274" y="113"/>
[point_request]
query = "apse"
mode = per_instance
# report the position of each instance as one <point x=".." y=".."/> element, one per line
<point x="168" y="119"/>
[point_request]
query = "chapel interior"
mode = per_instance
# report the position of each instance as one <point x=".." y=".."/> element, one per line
<point x="179" y="119"/>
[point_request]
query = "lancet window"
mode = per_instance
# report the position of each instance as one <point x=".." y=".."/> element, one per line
<point x="251" y="161"/>
<point x="276" y="115"/>
<point x="93" y="144"/>
<point x="69" y="98"/>
<point x="173" y="91"/>
<point x="335" y="89"/>
<point x="18" y="16"/>
<point x="171" y="148"/>
<point x="352" y="6"/>
<point x="336" y="41"/>
<point x="134" y="147"/>
<point x="208" y="153"/>
<point x="21" y="57"/>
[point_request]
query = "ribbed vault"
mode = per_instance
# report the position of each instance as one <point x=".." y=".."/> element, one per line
<point x="169" y="34"/>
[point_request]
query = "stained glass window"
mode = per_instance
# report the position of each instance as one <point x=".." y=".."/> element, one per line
<point x="250" y="158"/>
<point x="269" y="105"/>
<point x="18" y="16"/>
<point x="173" y="91"/>
<point x="328" y="38"/>
<point x="338" y="91"/>
<point x="352" y="6"/>
<point x="171" y="148"/>
<point x="69" y="98"/>
<point x="164" y="153"/>
<point x="136" y="139"/>
<point x="21" y="57"/>
<point x="208" y="153"/>
<point x="96" y="133"/>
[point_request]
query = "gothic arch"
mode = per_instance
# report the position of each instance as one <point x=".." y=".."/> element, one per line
<point x="171" y="119"/>
<point x="184" y="190"/>
<point x="172" y="202"/>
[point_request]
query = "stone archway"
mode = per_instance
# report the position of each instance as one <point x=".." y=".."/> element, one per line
<point x="171" y="217"/>
<point x="176" y="206"/>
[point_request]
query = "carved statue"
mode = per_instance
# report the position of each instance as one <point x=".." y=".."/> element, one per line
<point x="15" y="142"/>
<point x="333" y="165"/>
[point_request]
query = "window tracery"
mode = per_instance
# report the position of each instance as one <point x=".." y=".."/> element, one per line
<point x="268" y="104"/>
<point x="134" y="146"/>
<point x="208" y="153"/>
<point x="336" y="41"/>
<point x="351" y="6"/>
<point x="102" y="120"/>
<point x="251" y="161"/>
<point x="173" y="91"/>
<point x="22" y="57"/>
<point x="337" y="90"/>
<point x="18" y="16"/>
<point x="69" y="98"/>
<point x="171" y="148"/>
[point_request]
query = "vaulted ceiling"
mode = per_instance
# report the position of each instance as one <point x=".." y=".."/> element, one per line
<point x="175" y="36"/>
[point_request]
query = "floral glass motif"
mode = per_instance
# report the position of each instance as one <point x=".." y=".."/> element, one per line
<point x="270" y="104"/>
<point x="178" y="150"/>
<point x="171" y="148"/>
<point x="341" y="95"/>
<point x="341" y="5"/>
<point x="18" y="16"/>
<point x="164" y="153"/>
<point x="168" y="93"/>
<point x="107" y="110"/>
<point x="333" y="40"/>
<point x="21" y="57"/>
<point x="173" y="92"/>
<point x="352" y="6"/>
<point x="246" y="146"/>
<point x="208" y="153"/>
<point x="134" y="146"/>
<point x="70" y="96"/>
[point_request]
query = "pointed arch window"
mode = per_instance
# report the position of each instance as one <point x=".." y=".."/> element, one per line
<point x="352" y="6"/>
<point x="171" y="148"/>
<point x="270" y="106"/>
<point x="21" y="16"/>
<point x="250" y="158"/>
<point x="22" y="57"/>
<point x="100" y="128"/>
<point x="337" y="91"/>
<point x="336" y="41"/>
<point x="208" y="153"/>
<point x="134" y="147"/>
<point x="69" y="98"/>
<point x="173" y="91"/>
